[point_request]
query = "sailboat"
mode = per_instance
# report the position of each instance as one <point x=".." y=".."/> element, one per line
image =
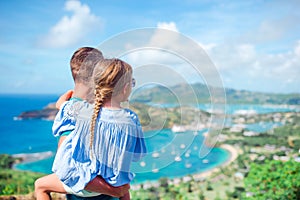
<point x="173" y="152"/>
<point x="155" y="155"/>
<point x="188" y="164"/>
<point x="142" y="164"/>
<point x="177" y="158"/>
<point x="187" y="153"/>
<point x="154" y="169"/>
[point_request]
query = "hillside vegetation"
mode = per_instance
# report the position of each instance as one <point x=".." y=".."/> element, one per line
<point x="200" y="93"/>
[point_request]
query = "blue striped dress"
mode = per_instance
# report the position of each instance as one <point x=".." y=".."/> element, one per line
<point x="65" y="120"/>
<point x="118" y="141"/>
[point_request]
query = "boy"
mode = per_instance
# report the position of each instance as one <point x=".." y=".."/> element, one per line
<point x="82" y="65"/>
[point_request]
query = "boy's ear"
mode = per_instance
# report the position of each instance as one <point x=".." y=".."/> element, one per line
<point x="125" y="88"/>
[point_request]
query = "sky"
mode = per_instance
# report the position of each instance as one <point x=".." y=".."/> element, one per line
<point x="254" y="45"/>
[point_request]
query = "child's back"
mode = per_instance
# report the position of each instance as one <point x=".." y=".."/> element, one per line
<point x="118" y="140"/>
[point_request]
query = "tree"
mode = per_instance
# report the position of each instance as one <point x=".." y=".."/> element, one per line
<point x="273" y="180"/>
<point x="6" y="161"/>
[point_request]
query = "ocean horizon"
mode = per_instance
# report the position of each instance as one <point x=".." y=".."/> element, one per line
<point x="34" y="136"/>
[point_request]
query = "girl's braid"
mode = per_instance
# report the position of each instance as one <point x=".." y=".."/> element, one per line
<point x="98" y="103"/>
<point x="101" y="95"/>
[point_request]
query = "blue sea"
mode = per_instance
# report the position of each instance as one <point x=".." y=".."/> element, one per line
<point x="170" y="154"/>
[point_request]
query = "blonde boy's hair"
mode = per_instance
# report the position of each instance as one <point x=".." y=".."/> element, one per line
<point x="82" y="63"/>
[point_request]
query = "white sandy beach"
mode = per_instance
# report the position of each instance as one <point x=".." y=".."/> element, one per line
<point x="233" y="155"/>
<point x="32" y="157"/>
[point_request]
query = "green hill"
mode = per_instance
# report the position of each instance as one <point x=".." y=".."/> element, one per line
<point x="199" y="93"/>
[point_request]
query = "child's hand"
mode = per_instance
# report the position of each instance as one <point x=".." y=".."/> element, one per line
<point x="65" y="97"/>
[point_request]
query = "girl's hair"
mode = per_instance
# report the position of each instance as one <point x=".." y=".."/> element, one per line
<point x="110" y="77"/>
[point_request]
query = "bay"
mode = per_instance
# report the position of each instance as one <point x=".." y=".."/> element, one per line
<point x="170" y="154"/>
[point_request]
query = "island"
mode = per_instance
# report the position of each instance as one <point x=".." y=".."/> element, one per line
<point x="46" y="113"/>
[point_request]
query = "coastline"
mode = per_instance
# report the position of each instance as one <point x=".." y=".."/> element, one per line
<point x="31" y="157"/>
<point x="200" y="176"/>
<point x="233" y="155"/>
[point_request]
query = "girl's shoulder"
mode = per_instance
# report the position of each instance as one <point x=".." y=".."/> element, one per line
<point x="123" y="116"/>
<point x="130" y="112"/>
<point x="83" y="109"/>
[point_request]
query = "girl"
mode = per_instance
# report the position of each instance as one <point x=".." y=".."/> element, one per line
<point x="106" y="139"/>
<point x="82" y="65"/>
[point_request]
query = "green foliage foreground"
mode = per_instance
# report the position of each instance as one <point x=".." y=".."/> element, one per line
<point x="17" y="182"/>
<point x="273" y="180"/>
<point x="14" y="181"/>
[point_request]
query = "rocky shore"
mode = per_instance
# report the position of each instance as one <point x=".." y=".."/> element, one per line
<point x="32" y="157"/>
<point x="47" y="113"/>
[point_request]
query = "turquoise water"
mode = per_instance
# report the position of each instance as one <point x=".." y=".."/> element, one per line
<point x="26" y="136"/>
<point x="170" y="154"/>
<point x="235" y="108"/>
<point x="262" y="126"/>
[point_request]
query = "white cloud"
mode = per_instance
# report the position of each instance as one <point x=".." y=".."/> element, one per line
<point x="297" y="49"/>
<point x="71" y="29"/>
<point x="272" y="69"/>
<point x="183" y="55"/>
<point x="207" y="47"/>
<point x="272" y="30"/>
<point x="241" y="65"/>
<point x="169" y="47"/>
<point x="231" y="56"/>
<point x="164" y="38"/>
<point x="170" y="26"/>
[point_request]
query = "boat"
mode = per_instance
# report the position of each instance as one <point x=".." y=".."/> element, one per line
<point x="178" y="129"/>
<point x="188" y="165"/>
<point x="154" y="169"/>
<point x="177" y="159"/>
<point x="173" y="152"/>
<point x="142" y="164"/>
<point x="187" y="154"/>
<point x="155" y="155"/>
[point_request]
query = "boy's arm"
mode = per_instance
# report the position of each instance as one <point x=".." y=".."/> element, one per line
<point x="65" y="97"/>
<point x="98" y="184"/>
<point x="61" y="139"/>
